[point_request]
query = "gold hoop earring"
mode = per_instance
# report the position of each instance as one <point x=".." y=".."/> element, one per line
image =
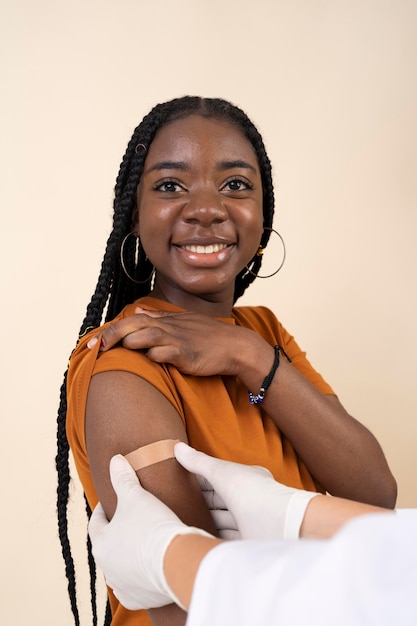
<point x="136" y="259"/>
<point x="261" y="251"/>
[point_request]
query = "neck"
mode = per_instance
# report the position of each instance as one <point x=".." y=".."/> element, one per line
<point x="209" y="304"/>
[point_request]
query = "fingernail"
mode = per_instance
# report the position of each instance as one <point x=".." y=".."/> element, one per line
<point x="92" y="342"/>
<point x="139" y="309"/>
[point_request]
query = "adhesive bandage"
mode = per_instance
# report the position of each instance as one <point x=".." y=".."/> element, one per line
<point x="152" y="453"/>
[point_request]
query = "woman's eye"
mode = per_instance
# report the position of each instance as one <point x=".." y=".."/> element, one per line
<point x="237" y="185"/>
<point x="169" y="186"/>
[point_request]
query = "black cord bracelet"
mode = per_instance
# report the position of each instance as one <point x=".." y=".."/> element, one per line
<point x="268" y="379"/>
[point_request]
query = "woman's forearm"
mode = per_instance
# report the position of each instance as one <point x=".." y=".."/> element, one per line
<point x="339" y="451"/>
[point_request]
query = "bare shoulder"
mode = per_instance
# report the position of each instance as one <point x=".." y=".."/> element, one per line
<point x="125" y="412"/>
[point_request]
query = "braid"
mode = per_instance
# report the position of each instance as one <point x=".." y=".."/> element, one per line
<point x="91" y="567"/>
<point x="116" y="290"/>
<point x="62" y="467"/>
<point x="245" y="278"/>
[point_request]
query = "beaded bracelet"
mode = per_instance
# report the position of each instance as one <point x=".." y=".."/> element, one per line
<point x="268" y="379"/>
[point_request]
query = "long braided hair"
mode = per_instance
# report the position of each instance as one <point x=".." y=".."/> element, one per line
<point x="115" y="290"/>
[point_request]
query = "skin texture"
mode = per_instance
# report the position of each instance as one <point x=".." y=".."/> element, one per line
<point x="202" y="186"/>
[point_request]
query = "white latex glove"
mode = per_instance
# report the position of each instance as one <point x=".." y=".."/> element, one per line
<point x="224" y="521"/>
<point x="248" y="495"/>
<point x="130" y="549"/>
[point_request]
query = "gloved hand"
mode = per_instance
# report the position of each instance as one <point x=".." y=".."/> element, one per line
<point x="130" y="549"/>
<point x="248" y="495"/>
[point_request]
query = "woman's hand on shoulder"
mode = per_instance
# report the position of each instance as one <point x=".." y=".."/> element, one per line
<point x="196" y="344"/>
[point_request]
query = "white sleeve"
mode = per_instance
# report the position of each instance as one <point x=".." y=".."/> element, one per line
<point x="366" y="575"/>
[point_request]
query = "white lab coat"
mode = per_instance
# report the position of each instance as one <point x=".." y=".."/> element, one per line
<point x="364" y="576"/>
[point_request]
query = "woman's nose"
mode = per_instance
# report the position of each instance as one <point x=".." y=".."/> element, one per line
<point x="205" y="208"/>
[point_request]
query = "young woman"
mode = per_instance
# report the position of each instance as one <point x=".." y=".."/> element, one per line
<point x="193" y="213"/>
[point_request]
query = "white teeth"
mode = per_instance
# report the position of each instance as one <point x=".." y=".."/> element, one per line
<point x="214" y="247"/>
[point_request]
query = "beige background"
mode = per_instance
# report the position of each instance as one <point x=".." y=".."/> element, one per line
<point x="332" y="86"/>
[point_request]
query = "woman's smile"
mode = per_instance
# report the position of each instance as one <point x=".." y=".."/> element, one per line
<point x="204" y="249"/>
<point x="204" y="255"/>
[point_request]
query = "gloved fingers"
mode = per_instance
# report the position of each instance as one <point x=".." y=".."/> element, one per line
<point x="223" y="520"/>
<point x="131" y="496"/>
<point x="98" y="522"/>
<point x="229" y="534"/>
<point x="200" y="463"/>
<point x="122" y="474"/>
<point x="225" y="476"/>
<point x="204" y="484"/>
<point x="213" y="500"/>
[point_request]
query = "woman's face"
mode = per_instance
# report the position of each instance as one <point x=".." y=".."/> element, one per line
<point x="200" y="215"/>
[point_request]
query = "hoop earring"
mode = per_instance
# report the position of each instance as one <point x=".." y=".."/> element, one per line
<point x="136" y="259"/>
<point x="261" y="250"/>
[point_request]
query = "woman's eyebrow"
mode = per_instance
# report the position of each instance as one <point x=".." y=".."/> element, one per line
<point x="184" y="166"/>
<point x="169" y="165"/>
<point x="229" y="165"/>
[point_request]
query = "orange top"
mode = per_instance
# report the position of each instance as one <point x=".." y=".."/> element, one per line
<point x="216" y="412"/>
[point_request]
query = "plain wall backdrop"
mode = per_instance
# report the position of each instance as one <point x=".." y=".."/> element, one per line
<point x="332" y="86"/>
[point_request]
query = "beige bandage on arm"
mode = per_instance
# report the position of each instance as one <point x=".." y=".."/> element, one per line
<point x="152" y="453"/>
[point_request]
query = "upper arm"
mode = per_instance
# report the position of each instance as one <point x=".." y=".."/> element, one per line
<point x="123" y="413"/>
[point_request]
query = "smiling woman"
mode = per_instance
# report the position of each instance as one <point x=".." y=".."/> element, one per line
<point x="176" y="358"/>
